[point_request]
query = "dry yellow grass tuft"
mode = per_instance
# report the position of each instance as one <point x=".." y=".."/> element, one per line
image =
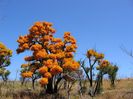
<point x="14" y="90"/>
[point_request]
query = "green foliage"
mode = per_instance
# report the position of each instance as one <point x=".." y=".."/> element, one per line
<point x="112" y="72"/>
<point x="5" y="55"/>
<point x="4" y="73"/>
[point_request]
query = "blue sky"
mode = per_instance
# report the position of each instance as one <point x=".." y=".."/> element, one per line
<point x="101" y="24"/>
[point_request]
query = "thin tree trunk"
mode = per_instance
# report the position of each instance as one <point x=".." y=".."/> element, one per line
<point x="23" y="79"/>
<point x="113" y="83"/>
<point x="3" y="78"/>
<point x="98" y="84"/>
<point x="56" y="85"/>
<point x="91" y="77"/>
<point x="101" y="80"/>
<point x="33" y="84"/>
<point x="90" y="73"/>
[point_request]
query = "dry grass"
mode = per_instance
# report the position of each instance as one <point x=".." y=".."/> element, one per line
<point x="14" y="90"/>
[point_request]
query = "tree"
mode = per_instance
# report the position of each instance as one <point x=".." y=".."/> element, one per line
<point x="51" y="57"/>
<point x="95" y="59"/>
<point x="5" y="55"/>
<point x="103" y="68"/>
<point x="112" y="72"/>
<point x="4" y="74"/>
<point x="35" y="76"/>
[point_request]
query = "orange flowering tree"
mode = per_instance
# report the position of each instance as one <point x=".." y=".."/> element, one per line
<point x="51" y="57"/>
<point x="5" y="55"/>
<point x="95" y="59"/>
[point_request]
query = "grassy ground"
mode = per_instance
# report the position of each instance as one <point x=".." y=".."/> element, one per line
<point x="14" y="90"/>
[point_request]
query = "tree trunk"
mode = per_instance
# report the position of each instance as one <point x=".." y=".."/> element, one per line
<point x="113" y="82"/>
<point x="56" y="85"/>
<point x="98" y="84"/>
<point x="22" y="82"/>
<point x="33" y="84"/>
<point x="49" y="88"/>
<point x="101" y="79"/>
<point x="91" y="79"/>
<point x="3" y="78"/>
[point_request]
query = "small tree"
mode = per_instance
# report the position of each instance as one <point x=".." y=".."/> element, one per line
<point x="103" y="68"/>
<point x="4" y="74"/>
<point x="51" y="57"/>
<point x="5" y="55"/>
<point x="35" y="76"/>
<point x="95" y="59"/>
<point x="112" y="72"/>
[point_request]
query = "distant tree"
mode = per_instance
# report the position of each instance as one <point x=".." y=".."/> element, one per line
<point x="51" y="57"/>
<point x="5" y="55"/>
<point x="112" y="72"/>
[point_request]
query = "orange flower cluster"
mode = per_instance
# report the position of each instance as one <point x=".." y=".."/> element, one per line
<point x="56" y="47"/>
<point x="47" y="75"/>
<point x="56" y="40"/>
<point x="2" y="46"/>
<point x="40" y="28"/>
<point x="40" y="54"/>
<point x="52" y="56"/>
<point x="43" y="69"/>
<point x="23" y="39"/>
<point x="56" y="69"/>
<point x="48" y="63"/>
<point x="46" y="38"/>
<point x="43" y="81"/>
<point x="70" y="64"/>
<point x="60" y="55"/>
<point x="104" y="63"/>
<point x="36" y="47"/>
<point x="25" y="46"/>
<point x="67" y="34"/>
<point x="24" y="65"/>
<point x="59" y="45"/>
<point x="99" y="55"/>
<point x="45" y="44"/>
<point x="23" y="43"/>
<point x="70" y="48"/>
<point x="27" y="74"/>
<point x="4" y="51"/>
<point x="69" y="38"/>
<point x="29" y="58"/>
<point x="70" y="45"/>
<point x="69" y="55"/>
<point x="92" y="53"/>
